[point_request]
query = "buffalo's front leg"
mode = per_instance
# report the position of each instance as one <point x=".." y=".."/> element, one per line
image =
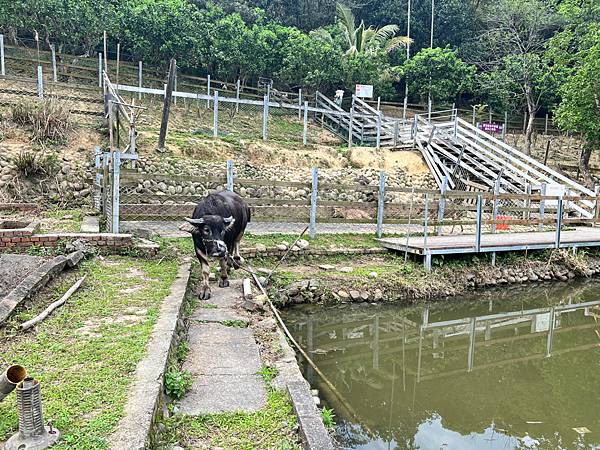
<point x="205" y="288"/>
<point x="224" y="281"/>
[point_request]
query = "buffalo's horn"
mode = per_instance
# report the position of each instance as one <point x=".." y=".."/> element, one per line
<point x="195" y="221"/>
<point x="229" y="220"/>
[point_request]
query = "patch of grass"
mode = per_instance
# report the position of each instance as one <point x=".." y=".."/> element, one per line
<point x="268" y="373"/>
<point x="235" y="323"/>
<point x="208" y="306"/>
<point x="177" y="382"/>
<point x="328" y="417"/>
<point x="30" y="164"/>
<point x="49" y="118"/>
<point x="269" y="428"/>
<point x="86" y="352"/>
<point x="64" y="220"/>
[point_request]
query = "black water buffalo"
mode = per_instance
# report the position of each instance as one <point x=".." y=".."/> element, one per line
<point x="219" y="224"/>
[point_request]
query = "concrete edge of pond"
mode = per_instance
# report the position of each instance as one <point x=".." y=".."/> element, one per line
<point x="146" y="396"/>
<point x="312" y="430"/>
<point x="35" y="281"/>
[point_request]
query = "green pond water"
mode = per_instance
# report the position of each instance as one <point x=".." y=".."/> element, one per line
<point x="513" y="368"/>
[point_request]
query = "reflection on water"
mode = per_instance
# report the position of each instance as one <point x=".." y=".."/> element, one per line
<point x="517" y="368"/>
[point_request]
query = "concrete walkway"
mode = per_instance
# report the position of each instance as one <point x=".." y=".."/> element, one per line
<point x="224" y="360"/>
<point x="170" y="229"/>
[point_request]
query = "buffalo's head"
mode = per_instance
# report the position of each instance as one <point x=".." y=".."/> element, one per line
<point x="211" y="229"/>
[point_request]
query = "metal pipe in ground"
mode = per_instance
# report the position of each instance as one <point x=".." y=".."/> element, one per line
<point x="10" y="378"/>
<point x="32" y="435"/>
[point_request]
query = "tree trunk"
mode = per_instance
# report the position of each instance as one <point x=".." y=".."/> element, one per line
<point x="531" y="110"/>
<point x="584" y="165"/>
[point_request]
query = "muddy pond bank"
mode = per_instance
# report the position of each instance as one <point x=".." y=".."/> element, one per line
<point x="388" y="279"/>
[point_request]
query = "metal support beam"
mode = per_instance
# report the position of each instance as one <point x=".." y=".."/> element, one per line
<point x="380" y="204"/>
<point x="216" y="115"/>
<point x="559" y="213"/>
<point x="2" y="66"/>
<point x="305" y="129"/>
<point x="479" y="221"/>
<point x="313" y="202"/>
<point x="265" y="117"/>
<point x="230" y="175"/>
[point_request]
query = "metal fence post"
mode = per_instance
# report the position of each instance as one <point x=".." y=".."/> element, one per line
<point x="559" y="213"/>
<point x="265" y="117"/>
<point x="2" y="66"/>
<point x="425" y="221"/>
<point x="596" y="205"/>
<point x="479" y="220"/>
<point x="504" y="127"/>
<point x="380" y="204"/>
<point x="350" y="125"/>
<point x="237" y="94"/>
<point x="99" y="69"/>
<point x="546" y="125"/>
<point x="230" y="175"/>
<point x="216" y="115"/>
<point x="542" y="208"/>
<point x="378" y="104"/>
<point x="305" y="129"/>
<point x="140" y="79"/>
<point x="473" y="119"/>
<point x="40" y="82"/>
<point x="313" y="202"/>
<point x="208" y="91"/>
<point x="97" y="195"/>
<point x="54" y="74"/>
<point x="442" y="205"/>
<point x="378" y="143"/>
<point x="116" y="162"/>
<point x="300" y="104"/>
<point x="429" y="106"/>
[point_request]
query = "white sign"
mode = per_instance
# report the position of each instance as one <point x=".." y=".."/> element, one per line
<point x="364" y="90"/>
<point x="554" y="190"/>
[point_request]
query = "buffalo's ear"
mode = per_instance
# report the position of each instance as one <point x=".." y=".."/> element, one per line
<point x="195" y="221"/>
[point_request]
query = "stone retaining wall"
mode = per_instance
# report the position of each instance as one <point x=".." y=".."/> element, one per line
<point x="442" y="282"/>
<point x="17" y="239"/>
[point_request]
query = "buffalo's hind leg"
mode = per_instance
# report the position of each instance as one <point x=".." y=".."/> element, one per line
<point x="205" y="288"/>
<point x="237" y="258"/>
<point x="224" y="280"/>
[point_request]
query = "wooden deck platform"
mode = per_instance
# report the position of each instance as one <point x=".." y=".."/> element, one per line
<point x="499" y="242"/>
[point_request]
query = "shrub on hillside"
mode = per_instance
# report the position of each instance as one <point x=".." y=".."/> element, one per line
<point x="30" y="164"/>
<point x="49" y="118"/>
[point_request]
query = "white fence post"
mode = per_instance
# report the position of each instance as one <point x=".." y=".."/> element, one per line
<point x="479" y="223"/>
<point x="429" y="107"/>
<point x="230" y="175"/>
<point x="140" y="79"/>
<point x="305" y="130"/>
<point x="300" y="104"/>
<point x="442" y="205"/>
<point x="99" y="69"/>
<point x="216" y="115"/>
<point x="265" y="117"/>
<point x="546" y="125"/>
<point x="378" y="104"/>
<point x="40" y="82"/>
<point x="313" y="202"/>
<point x="504" y="127"/>
<point x="208" y="91"/>
<point x="380" y="204"/>
<point x="542" y="208"/>
<point x="2" y="67"/>
<point x="473" y="118"/>
<point x="54" y="74"/>
<point x="116" y="162"/>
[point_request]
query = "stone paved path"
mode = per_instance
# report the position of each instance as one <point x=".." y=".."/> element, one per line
<point x="224" y="360"/>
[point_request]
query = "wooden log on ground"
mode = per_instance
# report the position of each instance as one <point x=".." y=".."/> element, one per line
<point x="53" y="306"/>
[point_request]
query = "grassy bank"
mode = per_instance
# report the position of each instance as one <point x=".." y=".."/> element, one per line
<point x="85" y="354"/>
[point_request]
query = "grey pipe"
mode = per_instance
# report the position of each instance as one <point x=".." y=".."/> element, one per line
<point x="10" y="378"/>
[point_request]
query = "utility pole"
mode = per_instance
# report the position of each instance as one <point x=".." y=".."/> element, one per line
<point x="407" y="58"/>
<point x="431" y="46"/>
<point x="167" y="106"/>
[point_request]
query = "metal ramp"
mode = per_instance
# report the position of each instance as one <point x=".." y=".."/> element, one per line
<point x="456" y="151"/>
<point x="370" y="128"/>
<point x="459" y="155"/>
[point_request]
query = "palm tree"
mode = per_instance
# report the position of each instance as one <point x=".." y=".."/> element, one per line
<point x="364" y="40"/>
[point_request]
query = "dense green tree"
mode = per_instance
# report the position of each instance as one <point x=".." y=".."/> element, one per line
<point x="438" y="71"/>
<point x="513" y="44"/>
<point x="576" y="51"/>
